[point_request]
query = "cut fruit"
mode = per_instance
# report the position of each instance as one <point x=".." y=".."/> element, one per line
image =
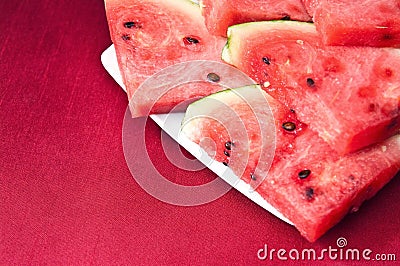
<point x="307" y="181"/>
<point x="360" y="23"/>
<point x="173" y="88"/>
<point x="310" y="6"/>
<point x="150" y="35"/>
<point x="349" y="95"/>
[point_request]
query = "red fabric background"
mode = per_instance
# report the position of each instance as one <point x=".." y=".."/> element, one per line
<point x="66" y="194"/>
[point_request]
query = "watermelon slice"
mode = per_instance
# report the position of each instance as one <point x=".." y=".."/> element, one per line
<point x="349" y="95"/>
<point x="173" y="88"/>
<point x="308" y="182"/>
<point x="150" y="35"/>
<point x="219" y="15"/>
<point x="365" y="23"/>
<point x="253" y="141"/>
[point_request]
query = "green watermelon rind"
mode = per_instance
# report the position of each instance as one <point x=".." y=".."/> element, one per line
<point x="229" y="48"/>
<point x="199" y="104"/>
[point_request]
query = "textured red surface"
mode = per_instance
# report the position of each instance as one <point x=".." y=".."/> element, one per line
<point x="66" y="194"/>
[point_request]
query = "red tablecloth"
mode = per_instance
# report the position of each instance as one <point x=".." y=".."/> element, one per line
<point x="66" y="193"/>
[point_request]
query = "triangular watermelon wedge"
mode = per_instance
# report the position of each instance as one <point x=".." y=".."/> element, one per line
<point x="150" y="35"/>
<point x="349" y="95"/>
<point x="308" y="182"/>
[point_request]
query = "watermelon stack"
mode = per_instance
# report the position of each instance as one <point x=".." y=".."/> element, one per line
<point x="307" y="181"/>
<point x="334" y="92"/>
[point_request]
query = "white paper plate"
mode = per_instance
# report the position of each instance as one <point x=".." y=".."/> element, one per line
<point x="171" y="123"/>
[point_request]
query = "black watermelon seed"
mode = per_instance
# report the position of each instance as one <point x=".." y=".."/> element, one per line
<point x="304" y="174"/>
<point x="126" y="37"/>
<point x="191" y="40"/>
<point x="309" y="193"/>
<point x="130" y="24"/>
<point x="392" y="123"/>
<point x="372" y="107"/>
<point x="225" y="163"/>
<point x="227" y="153"/>
<point x="387" y="36"/>
<point x="292" y="110"/>
<point x="289" y="126"/>
<point x="228" y="145"/>
<point x="253" y="177"/>
<point x="310" y="82"/>
<point x="287" y="17"/>
<point x="266" y="60"/>
<point x="213" y="77"/>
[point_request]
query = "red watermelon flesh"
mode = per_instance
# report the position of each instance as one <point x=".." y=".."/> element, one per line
<point x="219" y="15"/>
<point x="334" y="188"/>
<point x="150" y="35"/>
<point x="364" y="23"/>
<point x="310" y="6"/>
<point x="308" y="182"/>
<point x="349" y="95"/>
